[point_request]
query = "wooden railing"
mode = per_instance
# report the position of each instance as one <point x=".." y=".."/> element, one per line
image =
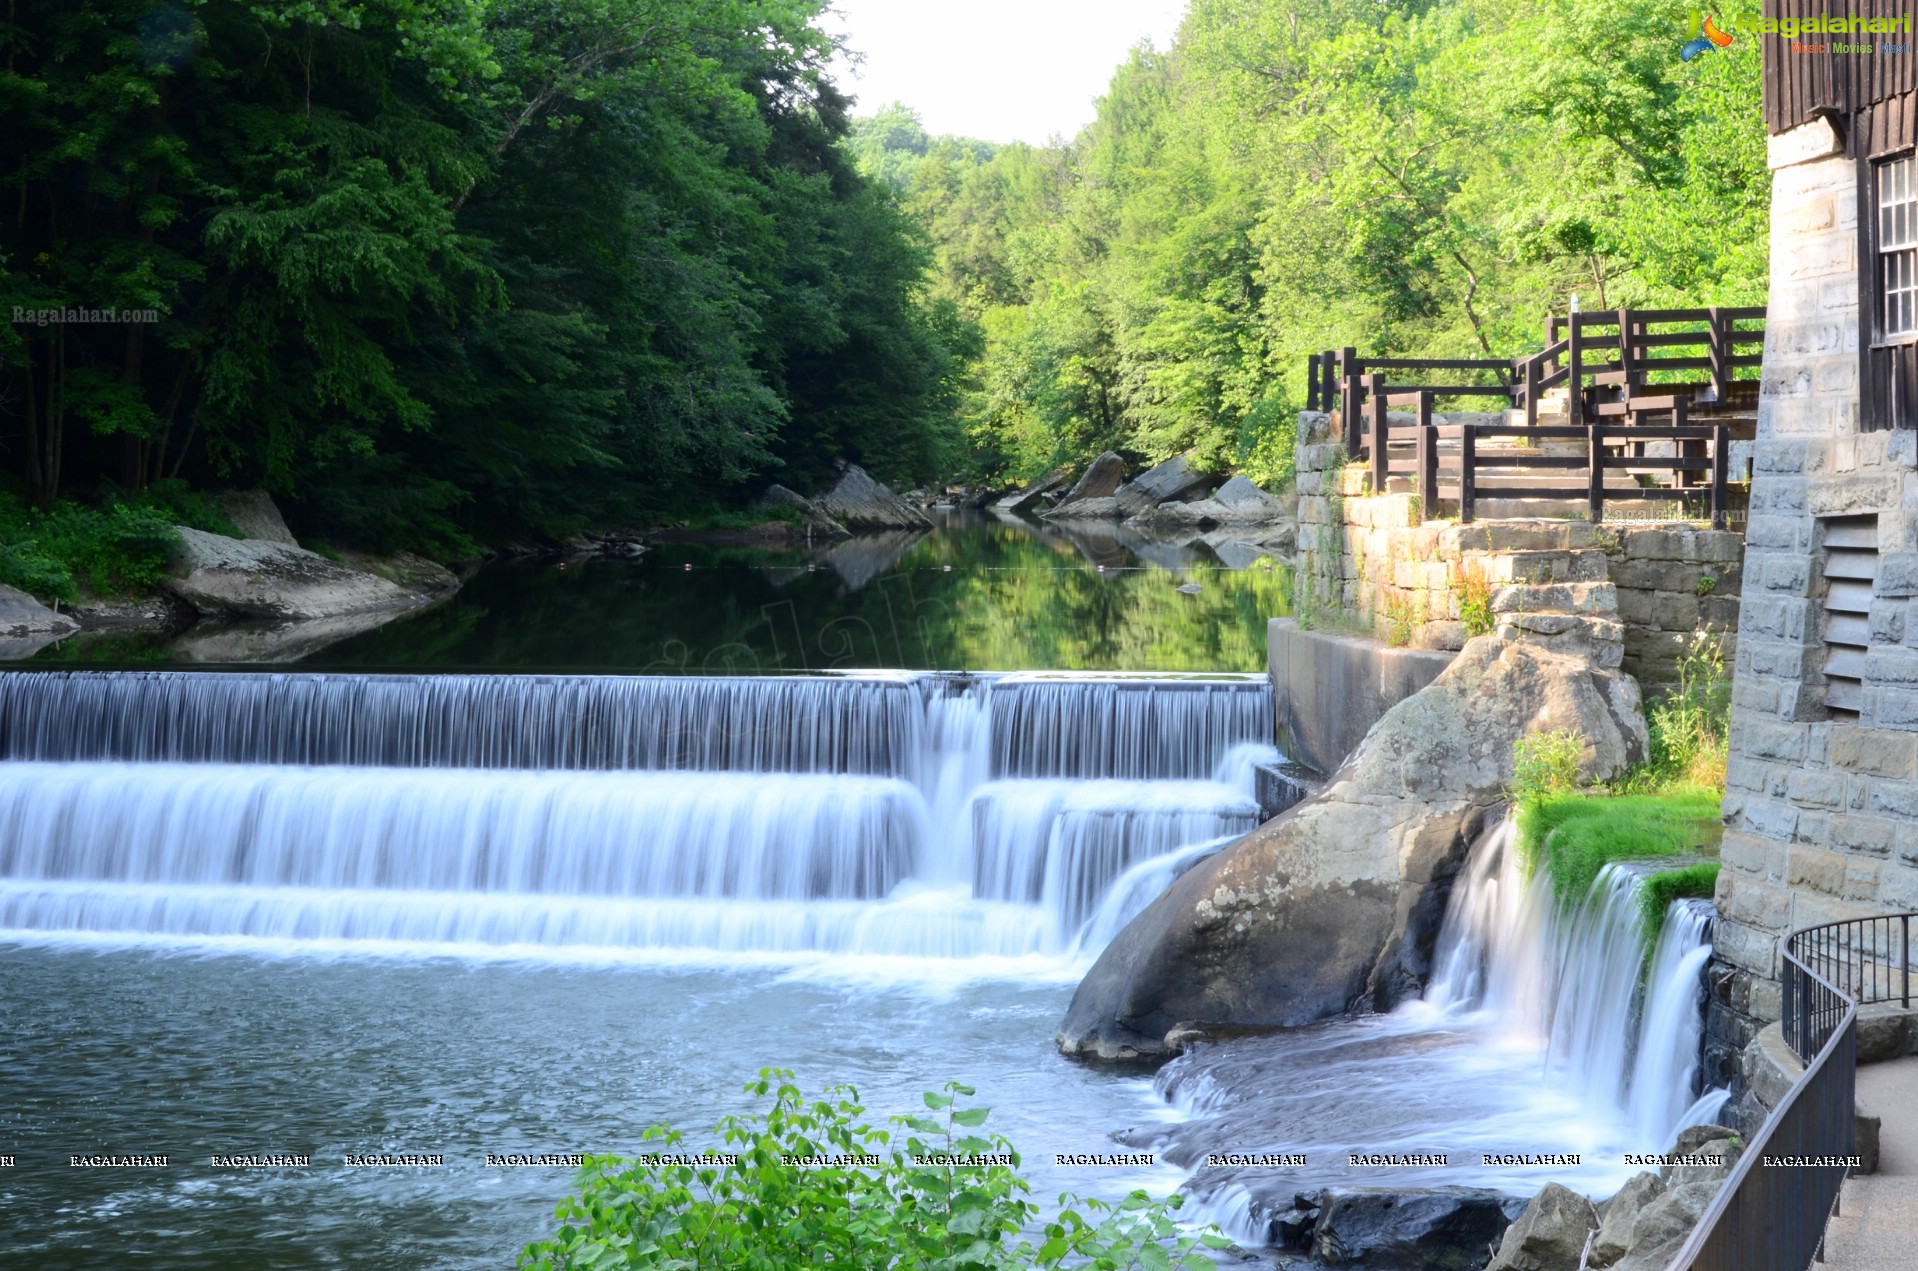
<point x="1442" y="474"/>
<point x="1770" y="1216"/>
<point x="1625" y="399"/>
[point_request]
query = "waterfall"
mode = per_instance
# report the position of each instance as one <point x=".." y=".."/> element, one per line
<point x="920" y="816"/>
<point x="1537" y="1035"/>
<point x="1571" y="979"/>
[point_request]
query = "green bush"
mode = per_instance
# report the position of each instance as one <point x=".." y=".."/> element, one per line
<point x="1688" y="728"/>
<point x="115" y="548"/>
<point x="883" y="1201"/>
<point x="1545" y="764"/>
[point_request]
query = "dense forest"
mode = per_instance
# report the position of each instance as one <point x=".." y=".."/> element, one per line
<point x="436" y="272"/>
<point x="1294" y="175"/>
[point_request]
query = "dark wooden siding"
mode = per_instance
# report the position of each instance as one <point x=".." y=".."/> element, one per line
<point x="1880" y="89"/>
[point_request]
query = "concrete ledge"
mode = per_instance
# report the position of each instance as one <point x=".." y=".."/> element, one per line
<point x="1329" y="689"/>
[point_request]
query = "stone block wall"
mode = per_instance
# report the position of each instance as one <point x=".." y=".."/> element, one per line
<point x="1821" y="807"/>
<point x="1635" y="595"/>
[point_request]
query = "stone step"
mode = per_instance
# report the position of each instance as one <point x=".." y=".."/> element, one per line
<point x="1562" y="598"/>
<point x="1572" y="565"/>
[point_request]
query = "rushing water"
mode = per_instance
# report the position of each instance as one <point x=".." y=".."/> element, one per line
<point x="337" y="914"/>
<point x="1536" y="1038"/>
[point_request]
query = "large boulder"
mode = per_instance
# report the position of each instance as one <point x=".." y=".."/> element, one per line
<point x="1621" y="1214"/>
<point x="1174" y="479"/>
<point x="1105" y="508"/>
<point x="27" y="626"/>
<point x="1550" y="1235"/>
<point x="255" y="515"/>
<point x="782" y="501"/>
<point x="1438" y="1229"/>
<point x="1101" y="480"/>
<point x="1336" y="904"/>
<point x="858" y="501"/>
<point x="1025" y="500"/>
<point x="255" y="578"/>
<point x="1237" y="502"/>
<point x="1663" y="1225"/>
<point x="21" y="615"/>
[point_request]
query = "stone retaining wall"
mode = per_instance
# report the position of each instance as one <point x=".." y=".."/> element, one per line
<point x="1635" y="595"/>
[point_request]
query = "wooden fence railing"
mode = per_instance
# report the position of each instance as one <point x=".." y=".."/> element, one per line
<point x="1657" y="395"/>
<point x="1442" y="473"/>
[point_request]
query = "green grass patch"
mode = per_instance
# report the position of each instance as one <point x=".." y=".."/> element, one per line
<point x="1575" y="835"/>
<point x="1657" y="892"/>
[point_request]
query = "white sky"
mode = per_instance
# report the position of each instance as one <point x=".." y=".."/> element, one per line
<point x="999" y="70"/>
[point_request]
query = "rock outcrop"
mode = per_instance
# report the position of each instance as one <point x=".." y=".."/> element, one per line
<point x="27" y="626"/>
<point x="860" y="502"/>
<point x="1550" y="1235"/>
<point x="1336" y="904"/>
<point x="1101" y="481"/>
<point x="1033" y="495"/>
<point x="1172" y="480"/>
<point x="1237" y="502"/>
<point x="257" y="578"/>
<point x="1439" y="1228"/>
<point x="780" y="500"/>
<point x="1104" y="508"/>
<point x="255" y="515"/>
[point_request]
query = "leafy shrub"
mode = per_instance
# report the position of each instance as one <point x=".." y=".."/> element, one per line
<point x="1689" y="727"/>
<point x="1474" y="593"/>
<point x="878" y="1202"/>
<point x="116" y="548"/>
<point x="1545" y="764"/>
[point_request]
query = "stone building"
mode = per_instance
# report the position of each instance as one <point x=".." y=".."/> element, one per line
<point x="1821" y="806"/>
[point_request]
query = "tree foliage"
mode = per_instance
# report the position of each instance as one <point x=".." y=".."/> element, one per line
<point x="1405" y="176"/>
<point x="433" y="270"/>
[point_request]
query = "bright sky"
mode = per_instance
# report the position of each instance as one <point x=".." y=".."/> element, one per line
<point x="999" y="70"/>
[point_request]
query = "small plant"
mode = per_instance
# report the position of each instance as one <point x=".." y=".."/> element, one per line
<point x="1688" y="728"/>
<point x="1474" y="594"/>
<point x="1401" y="618"/>
<point x="1611" y="542"/>
<point x="1706" y="585"/>
<point x="1545" y="764"/>
<point x="810" y="1183"/>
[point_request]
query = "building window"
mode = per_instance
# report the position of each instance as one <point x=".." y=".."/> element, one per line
<point x="1888" y="293"/>
<point x="1898" y="247"/>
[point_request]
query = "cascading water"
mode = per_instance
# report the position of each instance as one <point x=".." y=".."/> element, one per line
<point x="921" y="816"/>
<point x="1534" y="1040"/>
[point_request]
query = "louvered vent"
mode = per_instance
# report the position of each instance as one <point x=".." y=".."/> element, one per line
<point x="1851" y="566"/>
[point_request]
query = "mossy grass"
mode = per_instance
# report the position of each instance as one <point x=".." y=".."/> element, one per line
<point x="1575" y="835"/>
<point x="1656" y="892"/>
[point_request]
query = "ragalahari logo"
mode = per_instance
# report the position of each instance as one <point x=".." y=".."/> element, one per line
<point x="1703" y="36"/>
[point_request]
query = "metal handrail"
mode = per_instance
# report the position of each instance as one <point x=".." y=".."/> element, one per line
<point x="1771" y="1217"/>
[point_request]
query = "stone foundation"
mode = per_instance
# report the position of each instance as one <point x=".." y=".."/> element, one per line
<point x="1634" y="595"/>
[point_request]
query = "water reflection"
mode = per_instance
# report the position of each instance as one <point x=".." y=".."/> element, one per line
<point x="977" y="592"/>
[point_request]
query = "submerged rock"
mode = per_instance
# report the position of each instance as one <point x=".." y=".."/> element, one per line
<point x="1176" y="478"/>
<point x="1336" y="905"/>
<point x="1440" y="1229"/>
<point x="858" y="501"/>
<point x="1550" y="1235"/>
<point x="27" y="626"/>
